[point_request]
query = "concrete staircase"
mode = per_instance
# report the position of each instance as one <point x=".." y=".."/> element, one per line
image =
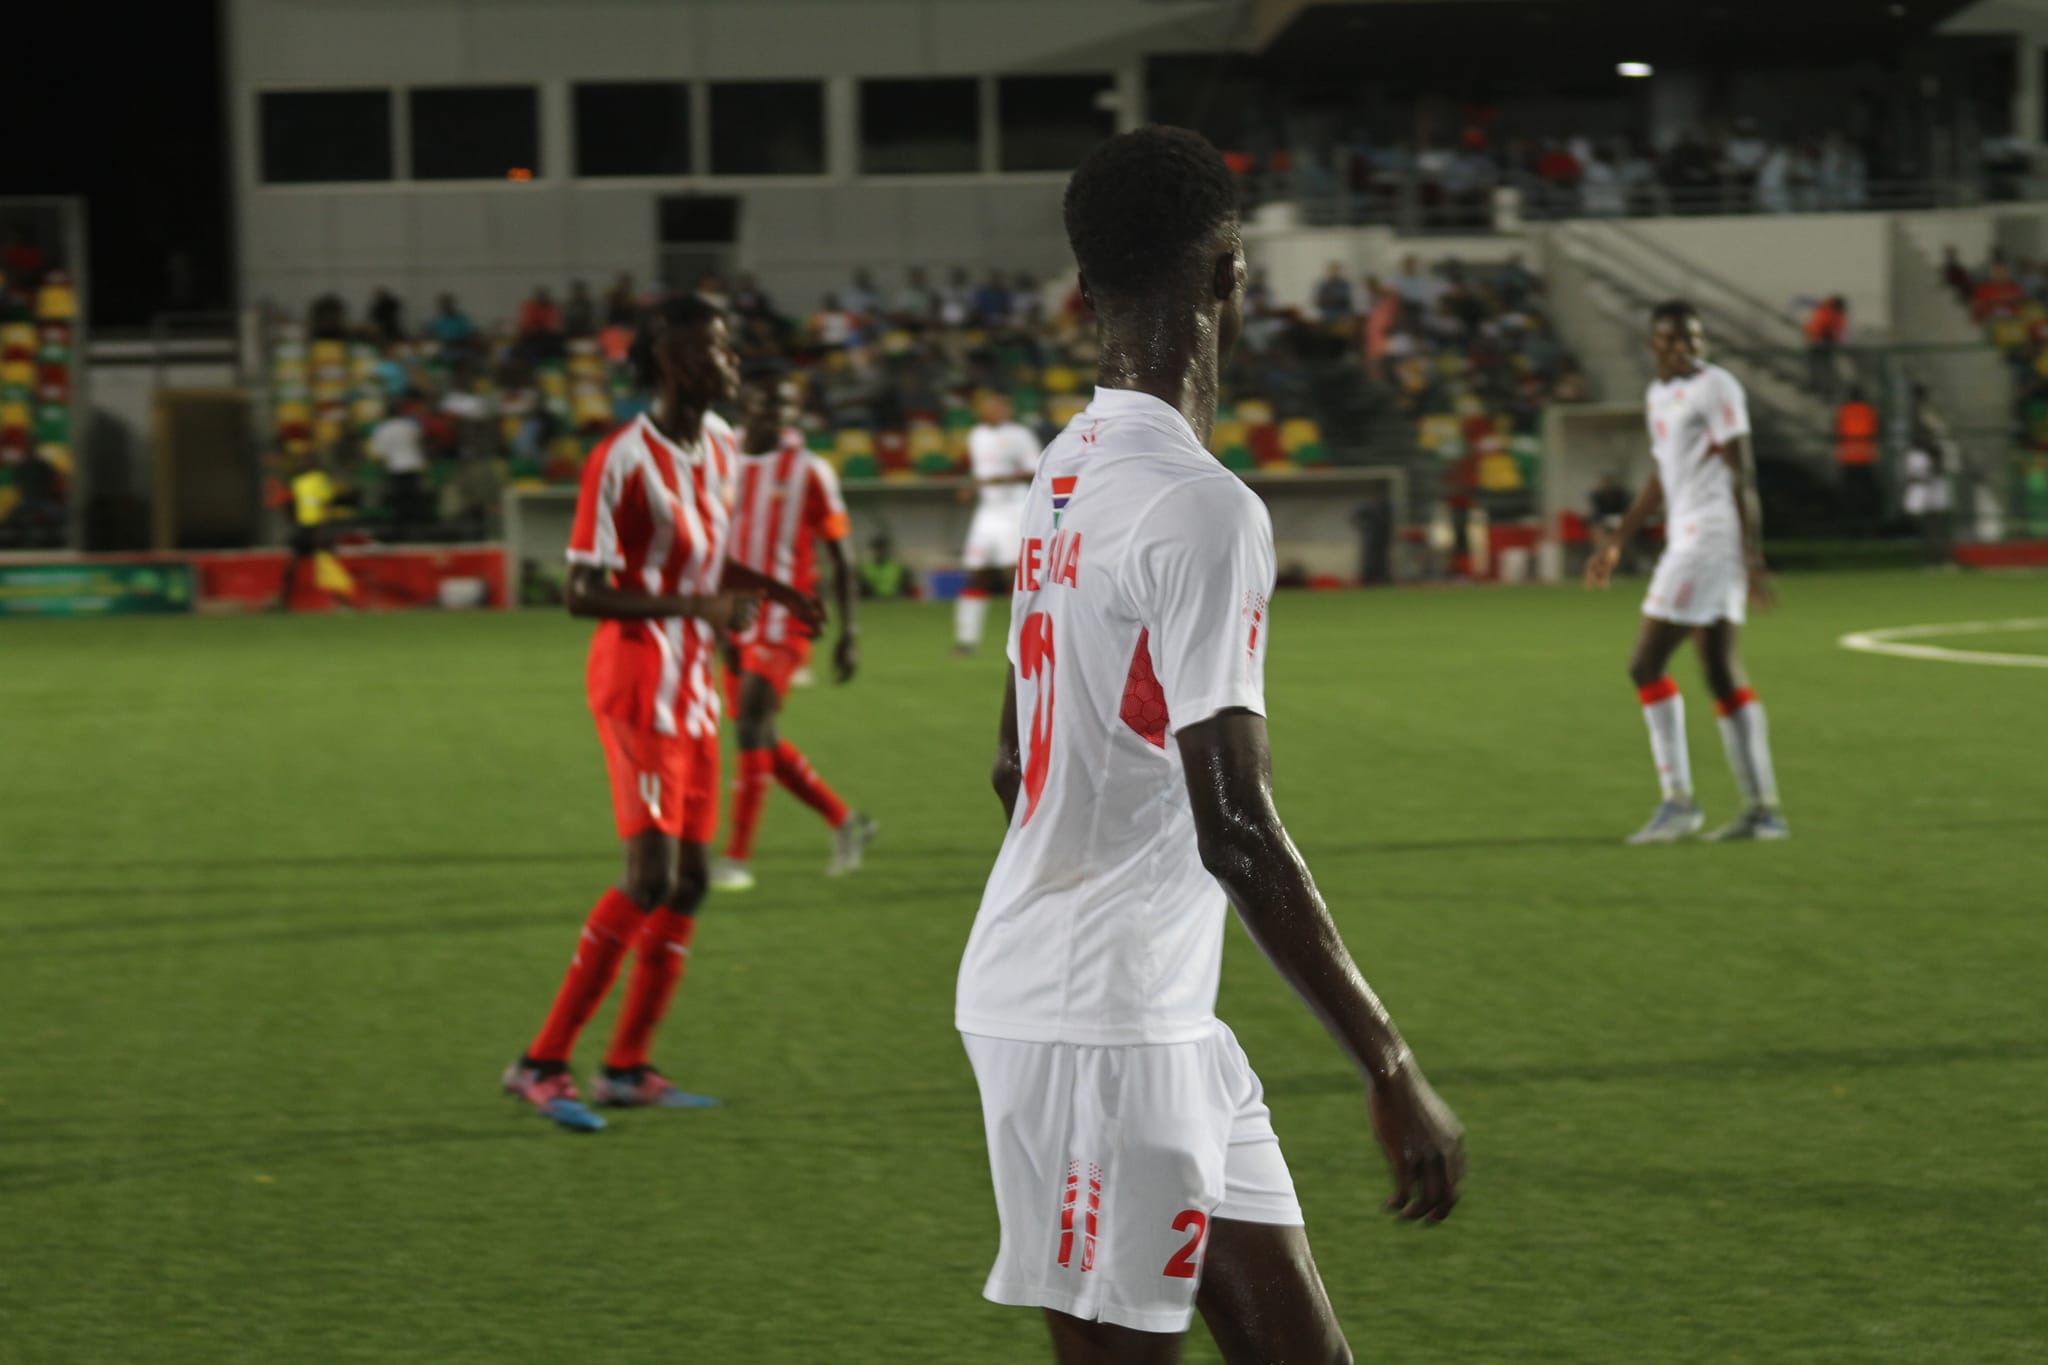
<point x="1604" y="279"/>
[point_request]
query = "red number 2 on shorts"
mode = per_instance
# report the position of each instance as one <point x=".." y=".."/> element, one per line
<point x="1196" y="1224"/>
<point x="1035" y="657"/>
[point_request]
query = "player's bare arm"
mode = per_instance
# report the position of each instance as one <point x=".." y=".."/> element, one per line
<point x="1740" y="453"/>
<point x="845" y="654"/>
<point x="1009" y="770"/>
<point x="589" y="594"/>
<point x="1600" y="568"/>
<point x="808" y="611"/>
<point x="1246" y="848"/>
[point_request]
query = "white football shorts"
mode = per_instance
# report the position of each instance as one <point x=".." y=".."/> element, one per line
<point x="1698" y="581"/>
<point x="993" y="538"/>
<point x="1110" y="1162"/>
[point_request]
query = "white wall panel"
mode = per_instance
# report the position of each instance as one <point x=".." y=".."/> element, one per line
<point x="370" y="230"/>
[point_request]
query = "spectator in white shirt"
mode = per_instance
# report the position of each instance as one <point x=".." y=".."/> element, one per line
<point x="399" y="445"/>
<point x="1600" y="191"/>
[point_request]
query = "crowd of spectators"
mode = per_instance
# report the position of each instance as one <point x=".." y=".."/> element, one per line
<point x="38" y="380"/>
<point x="2008" y="298"/>
<point x="431" y="419"/>
<point x="1738" y="170"/>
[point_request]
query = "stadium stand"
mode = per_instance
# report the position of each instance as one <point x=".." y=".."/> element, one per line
<point x="38" y="366"/>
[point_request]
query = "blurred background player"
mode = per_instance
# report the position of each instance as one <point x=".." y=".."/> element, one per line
<point x="318" y="506"/>
<point x="1136" y="1171"/>
<point x="1003" y="455"/>
<point x="787" y="503"/>
<point x="1712" y="566"/>
<point x="647" y="555"/>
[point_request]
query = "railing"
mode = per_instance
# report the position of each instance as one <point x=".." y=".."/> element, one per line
<point x="1413" y="204"/>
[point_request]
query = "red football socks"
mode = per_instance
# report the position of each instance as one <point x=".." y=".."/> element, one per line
<point x="660" y="955"/>
<point x="757" y="769"/>
<point x="614" y="922"/>
<point x="796" y="777"/>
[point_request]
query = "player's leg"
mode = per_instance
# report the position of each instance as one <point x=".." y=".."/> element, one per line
<point x="755" y="705"/>
<point x="662" y="951"/>
<point x="852" y="831"/>
<point x="541" y="1075"/>
<point x="1745" y="734"/>
<point x="984" y="552"/>
<point x="1677" y="814"/>
<point x="1263" y="1299"/>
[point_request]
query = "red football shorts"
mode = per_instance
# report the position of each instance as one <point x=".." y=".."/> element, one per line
<point x="777" y="662"/>
<point x="664" y="782"/>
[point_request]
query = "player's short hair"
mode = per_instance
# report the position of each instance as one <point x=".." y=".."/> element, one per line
<point x="1140" y="207"/>
<point x="1679" y="311"/>
<point x="673" y="312"/>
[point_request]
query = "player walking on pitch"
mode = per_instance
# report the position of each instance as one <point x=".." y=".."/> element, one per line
<point x="647" y="556"/>
<point x="1136" y="1172"/>
<point x="1712" y="566"/>
<point x="1003" y="455"/>
<point x="788" y="504"/>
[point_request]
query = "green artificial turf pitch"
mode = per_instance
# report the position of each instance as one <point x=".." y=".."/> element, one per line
<point x="279" y="898"/>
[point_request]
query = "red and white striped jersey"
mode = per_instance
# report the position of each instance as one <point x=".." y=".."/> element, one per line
<point x="657" y="516"/>
<point x="786" y="502"/>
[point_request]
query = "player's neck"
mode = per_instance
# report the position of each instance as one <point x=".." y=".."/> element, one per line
<point x="678" y="418"/>
<point x="1174" y="362"/>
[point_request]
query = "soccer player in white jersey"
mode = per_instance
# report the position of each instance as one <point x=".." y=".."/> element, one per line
<point x="1003" y="455"/>
<point x="1136" y="1172"/>
<point x="1712" y="567"/>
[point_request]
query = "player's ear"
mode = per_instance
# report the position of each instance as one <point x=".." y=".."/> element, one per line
<point x="1226" y="275"/>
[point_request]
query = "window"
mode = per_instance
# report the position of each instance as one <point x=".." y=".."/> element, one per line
<point x="641" y="128"/>
<point x="476" y="132"/>
<point x="768" y="128"/>
<point x="1049" y="123"/>
<point x="310" y="136"/>
<point x="919" y="127"/>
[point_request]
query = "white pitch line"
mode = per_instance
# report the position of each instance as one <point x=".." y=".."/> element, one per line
<point x="1886" y="642"/>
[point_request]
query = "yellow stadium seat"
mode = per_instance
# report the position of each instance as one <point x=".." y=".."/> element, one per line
<point x="1060" y="379"/>
<point x="1064" y="408"/>
<point x="56" y="303"/>
<point x="9" y="500"/>
<point x="1254" y="412"/>
<point x="367" y="411"/>
<point x="329" y="353"/>
<point x="20" y="374"/>
<point x="58" y="456"/>
<point x="1227" y="434"/>
<point x="926" y="439"/>
<point x="1297" y="432"/>
<point x="18" y="336"/>
<point x="326" y="431"/>
<point x="854" y="441"/>
<point x="1498" y="473"/>
<point x="14" y="417"/>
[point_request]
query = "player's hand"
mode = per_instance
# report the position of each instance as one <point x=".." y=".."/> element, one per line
<point x="729" y="611"/>
<point x="1763" y="594"/>
<point x="1423" y="1143"/>
<point x="1600" y="566"/>
<point x="846" y="659"/>
<point x="807" y="611"/>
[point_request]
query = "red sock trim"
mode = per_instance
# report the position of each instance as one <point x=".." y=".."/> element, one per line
<point x="798" y="778"/>
<point x="974" y="594"/>
<point x="660" y="956"/>
<point x="613" y="924"/>
<point x="1733" y="702"/>
<point x="750" y="793"/>
<point x="1661" y="690"/>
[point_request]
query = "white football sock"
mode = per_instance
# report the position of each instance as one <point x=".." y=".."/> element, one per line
<point x="1664" y="713"/>
<point x="969" y="611"/>
<point x="1746" y="735"/>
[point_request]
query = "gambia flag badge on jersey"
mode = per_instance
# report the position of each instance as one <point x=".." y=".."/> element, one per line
<point x="1062" y="494"/>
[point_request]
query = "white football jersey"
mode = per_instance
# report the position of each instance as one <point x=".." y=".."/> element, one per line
<point x="1692" y="418"/>
<point x="1002" y="452"/>
<point x="1139" y="606"/>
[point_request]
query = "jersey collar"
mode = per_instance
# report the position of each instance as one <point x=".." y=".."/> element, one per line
<point x="692" y="454"/>
<point x="1131" y="403"/>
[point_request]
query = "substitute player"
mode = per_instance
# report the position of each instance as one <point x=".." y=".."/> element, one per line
<point x="1136" y="1172"/>
<point x="647" y="557"/>
<point x="1712" y="566"/>
<point x="1003" y="455"/>
<point x="788" y="504"/>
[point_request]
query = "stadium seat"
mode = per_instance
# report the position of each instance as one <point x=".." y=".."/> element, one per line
<point x="1237" y="458"/>
<point x="1060" y="379"/>
<point x="854" y="441"/>
<point x="860" y="466"/>
<point x="892" y="452"/>
<point x="1064" y="408"/>
<point x="1264" y="440"/>
<point x="937" y="464"/>
<point x="1498" y="473"/>
<point x="1302" y="439"/>
<point x="55" y="301"/>
<point x="1255" y="412"/>
<point x="820" y="441"/>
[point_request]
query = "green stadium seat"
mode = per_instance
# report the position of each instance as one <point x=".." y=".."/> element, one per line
<point x="860" y="467"/>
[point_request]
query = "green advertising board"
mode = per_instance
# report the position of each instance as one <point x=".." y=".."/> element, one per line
<point x="94" y="589"/>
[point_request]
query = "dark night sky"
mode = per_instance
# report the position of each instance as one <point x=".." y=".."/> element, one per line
<point x="135" y="124"/>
